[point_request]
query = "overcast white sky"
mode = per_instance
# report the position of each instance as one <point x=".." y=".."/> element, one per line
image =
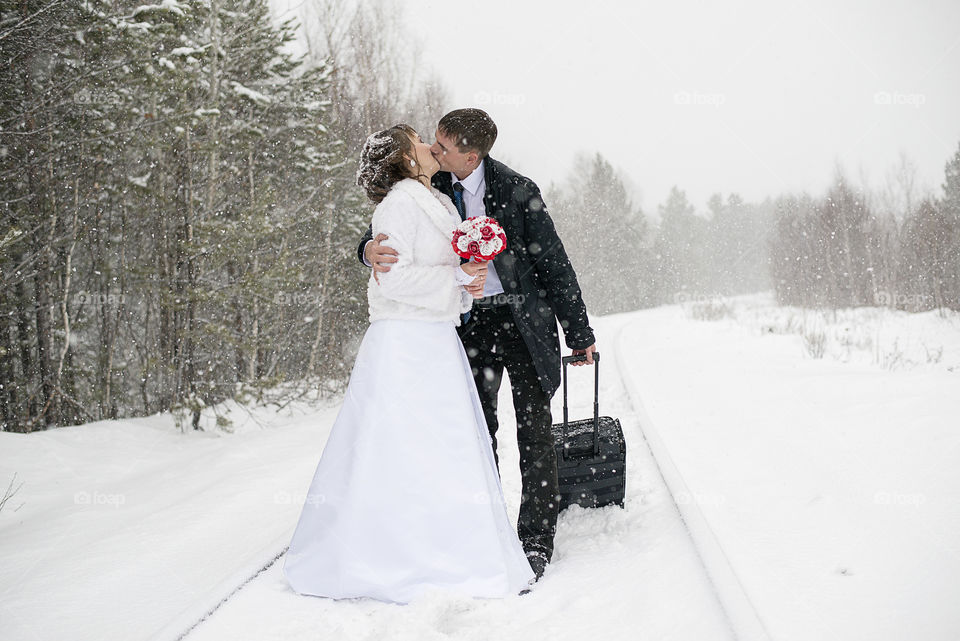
<point x="747" y="96"/>
<point x="757" y="97"/>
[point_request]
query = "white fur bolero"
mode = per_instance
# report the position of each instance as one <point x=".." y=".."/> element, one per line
<point x="422" y="284"/>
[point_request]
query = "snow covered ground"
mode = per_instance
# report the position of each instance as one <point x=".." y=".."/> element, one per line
<point x="127" y="526"/>
<point x="819" y="495"/>
<point x="831" y="484"/>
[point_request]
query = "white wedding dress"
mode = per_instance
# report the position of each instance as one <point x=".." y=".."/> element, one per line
<point x="406" y="497"/>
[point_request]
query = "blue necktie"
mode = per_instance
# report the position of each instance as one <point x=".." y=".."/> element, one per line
<point x="458" y="201"/>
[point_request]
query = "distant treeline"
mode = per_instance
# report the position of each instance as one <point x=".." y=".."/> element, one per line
<point x="842" y="250"/>
<point x="847" y="248"/>
<point x="625" y="260"/>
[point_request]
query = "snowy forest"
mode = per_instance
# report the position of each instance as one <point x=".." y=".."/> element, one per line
<point x="180" y="216"/>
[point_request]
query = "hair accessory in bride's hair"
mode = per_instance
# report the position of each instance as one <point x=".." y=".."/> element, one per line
<point x="382" y="160"/>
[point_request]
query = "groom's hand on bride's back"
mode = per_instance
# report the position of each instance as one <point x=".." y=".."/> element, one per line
<point x="379" y="256"/>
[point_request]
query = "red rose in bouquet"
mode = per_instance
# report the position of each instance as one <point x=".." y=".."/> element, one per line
<point x="479" y="238"/>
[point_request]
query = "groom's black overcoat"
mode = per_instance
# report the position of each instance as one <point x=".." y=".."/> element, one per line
<point x="534" y="269"/>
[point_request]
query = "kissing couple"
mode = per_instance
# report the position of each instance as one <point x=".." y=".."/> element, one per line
<point x="407" y="497"/>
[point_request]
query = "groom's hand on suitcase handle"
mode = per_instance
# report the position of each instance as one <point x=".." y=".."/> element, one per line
<point x="585" y="356"/>
<point x="581" y="359"/>
<point x="379" y="256"/>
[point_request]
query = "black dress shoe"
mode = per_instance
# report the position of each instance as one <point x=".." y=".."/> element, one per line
<point x="538" y="562"/>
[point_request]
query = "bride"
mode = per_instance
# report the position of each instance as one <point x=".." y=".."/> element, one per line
<point x="406" y="497"/>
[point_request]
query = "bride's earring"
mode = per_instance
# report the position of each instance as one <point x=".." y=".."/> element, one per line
<point x="413" y="163"/>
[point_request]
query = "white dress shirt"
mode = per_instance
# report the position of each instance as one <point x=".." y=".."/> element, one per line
<point x="474" y="188"/>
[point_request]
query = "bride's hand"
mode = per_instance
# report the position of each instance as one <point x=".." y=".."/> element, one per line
<point x="475" y="268"/>
<point x="479" y="271"/>
<point x="474" y="290"/>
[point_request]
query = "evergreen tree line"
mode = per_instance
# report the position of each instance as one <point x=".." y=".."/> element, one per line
<point x="626" y="261"/>
<point x="847" y="248"/>
<point x="179" y="213"/>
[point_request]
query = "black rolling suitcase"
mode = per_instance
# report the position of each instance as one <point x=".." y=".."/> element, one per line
<point x="591" y="453"/>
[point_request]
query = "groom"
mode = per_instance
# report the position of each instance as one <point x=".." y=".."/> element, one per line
<point x="513" y="323"/>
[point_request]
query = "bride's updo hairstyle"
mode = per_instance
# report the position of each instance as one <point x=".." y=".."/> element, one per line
<point x="386" y="160"/>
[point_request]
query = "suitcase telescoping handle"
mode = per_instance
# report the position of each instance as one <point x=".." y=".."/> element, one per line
<point x="596" y="396"/>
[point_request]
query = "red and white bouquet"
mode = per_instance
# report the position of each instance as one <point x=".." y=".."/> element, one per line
<point x="480" y="238"/>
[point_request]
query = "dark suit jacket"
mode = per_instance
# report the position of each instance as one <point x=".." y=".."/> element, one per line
<point x="534" y="269"/>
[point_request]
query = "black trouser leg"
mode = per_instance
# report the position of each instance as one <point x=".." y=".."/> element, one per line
<point x="487" y="370"/>
<point x="538" y="457"/>
<point x="495" y="330"/>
